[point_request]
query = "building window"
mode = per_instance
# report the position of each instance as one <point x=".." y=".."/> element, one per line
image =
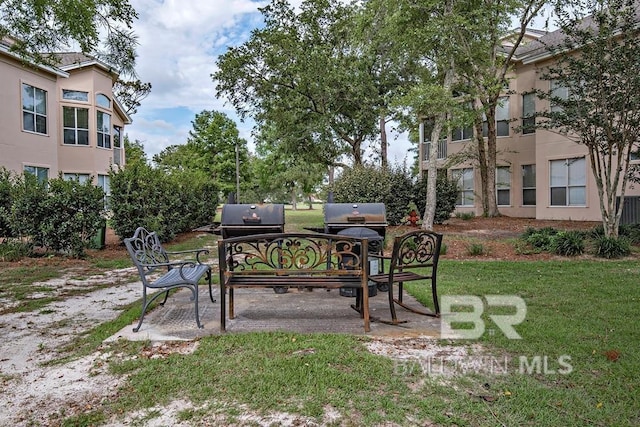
<point x="34" y="109"/>
<point x="103" y="101"/>
<point x="462" y="133"/>
<point x="503" y="186"/>
<point x="529" y="185"/>
<point x="104" y="183"/>
<point x="528" y="113"/>
<point x="76" y="125"/>
<point x="117" y="144"/>
<point x="568" y="182"/>
<point x="104" y="130"/>
<point x="75" y="95"/>
<point x="42" y="174"/>
<point x="558" y="92"/>
<point x="502" y="117"/>
<point x="464" y="178"/>
<point x="80" y="177"/>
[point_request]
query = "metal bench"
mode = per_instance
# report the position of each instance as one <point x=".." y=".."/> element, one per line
<point x="293" y="260"/>
<point x="414" y="258"/>
<point x="151" y="258"/>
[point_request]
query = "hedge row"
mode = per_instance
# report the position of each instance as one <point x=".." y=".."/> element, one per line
<point x="396" y="189"/>
<point x="57" y="215"/>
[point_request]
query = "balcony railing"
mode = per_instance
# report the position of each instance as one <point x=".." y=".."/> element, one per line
<point x="117" y="156"/>
<point x="442" y="150"/>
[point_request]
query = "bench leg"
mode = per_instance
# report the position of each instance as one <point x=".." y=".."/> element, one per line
<point x="223" y="306"/>
<point x="194" y="290"/>
<point x="365" y="308"/>
<point x="232" y="313"/>
<point x="210" y="290"/>
<point x="146" y="303"/>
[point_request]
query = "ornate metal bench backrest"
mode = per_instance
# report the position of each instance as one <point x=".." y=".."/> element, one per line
<point x="146" y="251"/>
<point x="416" y="249"/>
<point x="293" y="253"/>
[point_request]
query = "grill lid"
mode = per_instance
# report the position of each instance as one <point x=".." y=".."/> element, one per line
<point x="252" y="215"/>
<point x="354" y="214"/>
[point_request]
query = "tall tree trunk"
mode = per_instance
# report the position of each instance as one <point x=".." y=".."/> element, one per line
<point x="492" y="153"/>
<point x="432" y="166"/>
<point x="482" y="166"/>
<point x="294" y="199"/>
<point x="357" y="152"/>
<point x="383" y="140"/>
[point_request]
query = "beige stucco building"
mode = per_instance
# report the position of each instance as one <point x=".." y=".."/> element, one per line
<point x="540" y="174"/>
<point x="60" y="120"/>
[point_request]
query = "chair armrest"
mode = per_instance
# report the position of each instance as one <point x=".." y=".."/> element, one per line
<point x="197" y="252"/>
<point x="179" y="265"/>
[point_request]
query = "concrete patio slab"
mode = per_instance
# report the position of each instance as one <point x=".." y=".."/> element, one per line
<point x="264" y="310"/>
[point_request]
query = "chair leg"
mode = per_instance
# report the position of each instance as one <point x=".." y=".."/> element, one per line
<point x="146" y="303"/>
<point x="392" y="306"/>
<point x="210" y="290"/>
<point x="194" y="289"/>
<point x="144" y="310"/>
<point x="414" y="310"/>
<point x="434" y="292"/>
<point x="166" y="296"/>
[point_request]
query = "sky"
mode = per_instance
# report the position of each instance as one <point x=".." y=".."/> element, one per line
<point x="179" y="43"/>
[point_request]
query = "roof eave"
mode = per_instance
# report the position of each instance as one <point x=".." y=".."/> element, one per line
<point x="50" y="69"/>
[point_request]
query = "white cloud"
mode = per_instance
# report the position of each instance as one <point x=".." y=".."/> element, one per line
<point x="179" y="42"/>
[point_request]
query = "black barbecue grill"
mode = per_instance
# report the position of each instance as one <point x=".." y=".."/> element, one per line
<point x="359" y="220"/>
<point x="340" y="216"/>
<point x="245" y="220"/>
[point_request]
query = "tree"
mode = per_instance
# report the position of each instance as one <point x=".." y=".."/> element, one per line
<point x="130" y="93"/>
<point x="282" y="173"/>
<point x="483" y="65"/>
<point x="100" y="28"/>
<point x="430" y="46"/>
<point x="211" y="148"/>
<point x="134" y="152"/>
<point x="301" y="74"/>
<point x="599" y="65"/>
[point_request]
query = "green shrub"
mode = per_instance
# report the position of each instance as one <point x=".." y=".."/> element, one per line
<point x="28" y="209"/>
<point x="475" y="249"/>
<point x="7" y="181"/>
<point x="465" y="216"/>
<point x="446" y="196"/>
<point x="443" y="249"/>
<point x="58" y="215"/>
<point x="369" y="184"/>
<point x="611" y="247"/>
<point x="541" y="239"/>
<point x="14" y="250"/>
<point x="168" y="204"/>
<point x="631" y="232"/>
<point x="568" y="243"/>
<point x="597" y="232"/>
<point x="75" y="214"/>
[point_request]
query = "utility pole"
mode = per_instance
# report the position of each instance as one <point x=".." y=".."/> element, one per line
<point x="237" y="174"/>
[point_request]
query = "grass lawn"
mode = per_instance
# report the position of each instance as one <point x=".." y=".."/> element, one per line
<point x="577" y="362"/>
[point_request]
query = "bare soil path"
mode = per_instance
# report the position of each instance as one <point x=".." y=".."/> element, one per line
<point x="36" y="392"/>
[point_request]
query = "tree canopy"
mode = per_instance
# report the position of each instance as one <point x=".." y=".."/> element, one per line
<point x="211" y="149"/>
<point x="100" y="28"/>
<point x="305" y="75"/>
<point x="596" y="95"/>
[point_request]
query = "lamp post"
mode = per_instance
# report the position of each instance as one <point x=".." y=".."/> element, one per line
<point x="237" y="174"/>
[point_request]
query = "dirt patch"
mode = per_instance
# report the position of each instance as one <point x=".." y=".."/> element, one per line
<point x="34" y="393"/>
